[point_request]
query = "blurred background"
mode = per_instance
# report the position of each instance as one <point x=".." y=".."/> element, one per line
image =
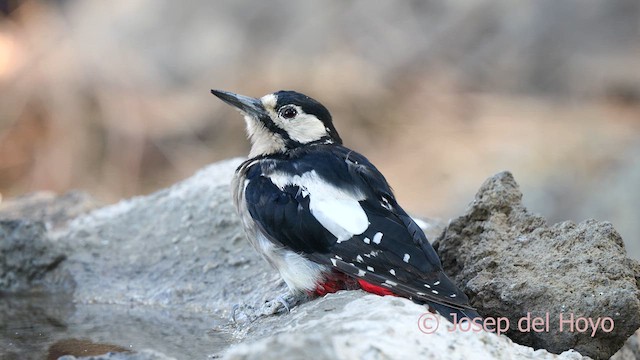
<point x="112" y="97"/>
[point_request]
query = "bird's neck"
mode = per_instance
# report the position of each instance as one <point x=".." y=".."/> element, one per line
<point x="265" y="147"/>
<point x="263" y="141"/>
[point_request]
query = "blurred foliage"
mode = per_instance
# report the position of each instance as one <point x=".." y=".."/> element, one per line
<point x="113" y="97"/>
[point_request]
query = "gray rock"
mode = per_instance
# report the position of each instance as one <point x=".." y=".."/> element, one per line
<point x="182" y="246"/>
<point x="352" y="325"/>
<point x="141" y="355"/>
<point x="26" y="255"/>
<point x="512" y="263"/>
<point x="155" y="272"/>
<point x="53" y="210"/>
<point x="630" y="350"/>
<point x="52" y="325"/>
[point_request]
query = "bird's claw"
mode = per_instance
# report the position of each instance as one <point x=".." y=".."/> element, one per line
<point x="242" y="313"/>
<point x="285" y="300"/>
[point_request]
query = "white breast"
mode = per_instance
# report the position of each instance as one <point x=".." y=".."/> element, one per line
<point x="299" y="273"/>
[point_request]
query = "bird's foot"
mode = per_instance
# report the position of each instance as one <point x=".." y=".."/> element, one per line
<point x="243" y="313"/>
<point x="283" y="303"/>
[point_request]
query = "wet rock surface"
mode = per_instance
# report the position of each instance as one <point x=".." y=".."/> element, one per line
<point x="26" y="255"/>
<point x="159" y="275"/>
<point x="512" y="263"/>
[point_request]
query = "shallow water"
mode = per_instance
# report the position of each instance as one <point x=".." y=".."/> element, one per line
<point x="47" y="327"/>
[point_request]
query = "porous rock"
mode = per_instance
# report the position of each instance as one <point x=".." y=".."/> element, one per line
<point x="47" y="207"/>
<point x="26" y="255"/>
<point x="181" y="246"/>
<point x="630" y="350"/>
<point x="146" y="354"/>
<point x="182" y="250"/>
<point x="512" y="264"/>
<point x="352" y="325"/>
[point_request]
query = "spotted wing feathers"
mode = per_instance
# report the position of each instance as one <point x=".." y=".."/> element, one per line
<point x="333" y="206"/>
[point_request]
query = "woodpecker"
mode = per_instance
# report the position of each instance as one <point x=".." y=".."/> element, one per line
<point x="324" y="216"/>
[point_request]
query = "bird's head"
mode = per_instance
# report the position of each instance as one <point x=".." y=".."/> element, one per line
<point x="282" y="121"/>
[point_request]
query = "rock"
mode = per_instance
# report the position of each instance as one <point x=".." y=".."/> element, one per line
<point x="630" y="350"/>
<point x="511" y="263"/>
<point x="162" y="272"/>
<point x="182" y="246"/>
<point x="354" y="325"/>
<point x="27" y="255"/>
<point x="141" y="355"/>
<point x="81" y="347"/>
<point x="55" y="211"/>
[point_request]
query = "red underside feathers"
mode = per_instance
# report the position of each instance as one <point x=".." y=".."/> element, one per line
<point x="342" y="282"/>
<point x="327" y="287"/>
<point x="335" y="282"/>
<point x="375" y="289"/>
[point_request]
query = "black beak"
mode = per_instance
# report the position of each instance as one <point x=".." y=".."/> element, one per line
<point x="247" y="105"/>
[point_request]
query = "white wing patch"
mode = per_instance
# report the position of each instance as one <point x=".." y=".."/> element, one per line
<point x="342" y="217"/>
<point x="339" y="211"/>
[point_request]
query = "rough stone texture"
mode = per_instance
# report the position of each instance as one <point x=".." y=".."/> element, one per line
<point x="49" y="326"/>
<point x="350" y="325"/>
<point x="26" y="255"/>
<point x="361" y="326"/>
<point x="630" y="350"/>
<point x="140" y="355"/>
<point x="162" y="272"/>
<point x="54" y="211"/>
<point x="511" y="262"/>
<point x="182" y="246"/>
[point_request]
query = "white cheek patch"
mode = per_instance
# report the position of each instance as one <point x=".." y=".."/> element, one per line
<point x="339" y="211"/>
<point x="305" y="128"/>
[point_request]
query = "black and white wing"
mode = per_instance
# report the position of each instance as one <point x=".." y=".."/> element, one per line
<point x="331" y="205"/>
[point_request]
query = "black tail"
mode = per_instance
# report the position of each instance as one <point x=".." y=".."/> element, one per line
<point x="455" y="315"/>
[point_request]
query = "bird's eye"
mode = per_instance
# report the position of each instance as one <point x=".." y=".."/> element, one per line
<point x="288" y="113"/>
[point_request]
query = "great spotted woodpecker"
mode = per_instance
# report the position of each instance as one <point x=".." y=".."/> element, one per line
<point x="323" y="215"/>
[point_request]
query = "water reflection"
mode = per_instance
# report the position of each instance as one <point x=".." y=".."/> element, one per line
<point x="50" y="326"/>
